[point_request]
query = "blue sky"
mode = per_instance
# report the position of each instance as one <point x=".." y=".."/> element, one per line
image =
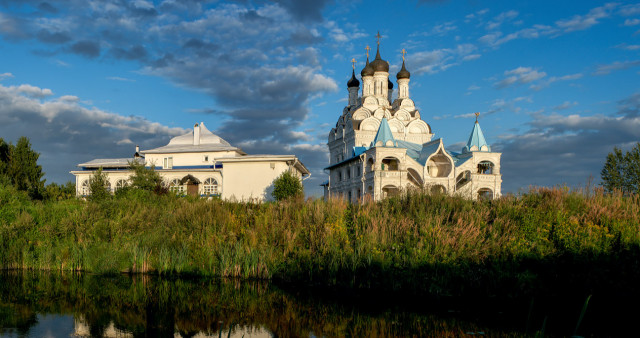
<point x="556" y="83"/>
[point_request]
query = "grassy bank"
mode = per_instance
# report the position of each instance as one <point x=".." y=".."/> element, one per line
<point x="547" y="240"/>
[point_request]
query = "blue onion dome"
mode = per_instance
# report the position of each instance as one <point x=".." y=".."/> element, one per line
<point x="367" y="70"/>
<point x="389" y="84"/>
<point x="378" y="64"/>
<point x="403" y="73"/>
<point x="353" y="82"/>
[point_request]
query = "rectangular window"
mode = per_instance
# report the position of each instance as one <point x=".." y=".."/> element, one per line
<point x="167" y="163"/>
<point x="206" y="158"/>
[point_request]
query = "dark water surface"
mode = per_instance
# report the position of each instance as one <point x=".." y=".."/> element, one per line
<point x="37" y="304"/>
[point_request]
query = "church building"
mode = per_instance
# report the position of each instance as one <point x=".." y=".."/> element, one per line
<point x="381" y="145"/>
<point x="199" y="163"/>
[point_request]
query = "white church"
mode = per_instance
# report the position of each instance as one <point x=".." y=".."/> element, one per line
<point x="381" y="146"/>
<point x="199" y="163"/>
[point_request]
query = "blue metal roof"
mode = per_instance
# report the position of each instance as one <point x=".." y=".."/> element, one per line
<point x="476" y="139"/>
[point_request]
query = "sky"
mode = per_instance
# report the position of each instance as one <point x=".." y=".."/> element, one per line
<point x="557" y="83"/>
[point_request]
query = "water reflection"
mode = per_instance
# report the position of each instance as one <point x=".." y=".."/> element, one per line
<point x="50" y="304"/>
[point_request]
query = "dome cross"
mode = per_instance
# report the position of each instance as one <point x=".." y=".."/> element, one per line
<point x="403" y="53"/>
<point x="353" y="63"/>
<point x="378" y="37"/>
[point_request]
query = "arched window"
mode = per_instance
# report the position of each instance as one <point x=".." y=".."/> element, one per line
<point x="107" y="185"/>
<point x="176" y="187"/>
<point x="84" y="188"/>
<point x="121" y="183"/>
<point x="485" y="194"/>
<point x="390" y="163"/>
<point x="210" y="186"/>
<point x="485" y="167"/>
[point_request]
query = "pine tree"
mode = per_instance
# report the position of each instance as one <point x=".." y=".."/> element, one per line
<point x="5" y="149"/>
<point x="23" y="169"/>
<point x="98" y="186"/>
<point x="145" y="178"/>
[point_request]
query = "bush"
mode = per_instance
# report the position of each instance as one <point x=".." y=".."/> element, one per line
<point x="286" y="186"/>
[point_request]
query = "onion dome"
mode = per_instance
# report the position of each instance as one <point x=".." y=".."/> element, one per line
<point x="353" y="82"/>
<point x="389" y="84"/>
<point x="367" y="70"/>
<point x="378" y="64"/>
<point x="403" y="73"/>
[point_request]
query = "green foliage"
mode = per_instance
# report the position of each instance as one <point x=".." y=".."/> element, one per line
<point x="98" y="186"/>
<point x="58" y="192"/>
<point x="622" y="171"/>
<point x="23" y="169"/>
<point x="434" y="244"/>
<point x="145" y="178"/>
<point x="5" y="149"/>
<point x="287" y="185"/>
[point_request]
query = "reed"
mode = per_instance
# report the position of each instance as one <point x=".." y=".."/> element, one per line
<point x="433" y="244"/>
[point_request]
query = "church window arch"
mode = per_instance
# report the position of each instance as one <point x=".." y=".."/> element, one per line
<point x="439" y="165"/>
<point x="390" y="164"/>
<point x="176" y="187"/>
<point x="438" y="189"/>
<point x="485" y="167"/>
<point x="485" y="194"/>
<point x="121" y="183"/>
<point x="371" y="164"/>
<point x="210" y="186"/>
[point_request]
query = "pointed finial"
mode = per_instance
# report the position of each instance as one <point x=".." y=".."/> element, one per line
<point x="477" y="114"/>
<point x="353" y="63"/>
<point x="403" y="53"/>
<point x="378" y="37"/>
<point x="367" y="48"/>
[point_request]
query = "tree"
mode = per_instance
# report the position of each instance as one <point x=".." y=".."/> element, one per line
<point x="98" y="185"/>
<point x="58" y="192"/>
<point x="622" y="171"/>
<point x="613" y="171"/>
<point x="286" y="186"/>
<point x="145" y="178"/>
<point x="5" y="149"/>
<point x="23" y="169"/>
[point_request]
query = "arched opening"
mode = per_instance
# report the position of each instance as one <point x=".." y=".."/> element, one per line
<point x="414" y="178"/>
<point x="485" y="194"/>
<point x="390" y="164"/>
<point x="191" y="184"/>
<point x="210" y="187"/>
<point x="121" y="183"/>
<point x="84" y="188"/>
<point x="463" y="179"/>
<point x="390" y="190"/>
<point x="176" y="187"/>
<point x="439" y="165"/>
<point x="438" y="189"/>
<point x="485" y="167"/>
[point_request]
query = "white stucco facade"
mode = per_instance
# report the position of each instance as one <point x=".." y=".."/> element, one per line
<point x="199" y="163"/>
<point x="381" y="146"/>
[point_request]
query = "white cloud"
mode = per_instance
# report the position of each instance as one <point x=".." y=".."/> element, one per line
<point x="618" y="65"/>
<point x="565" y="105"/>
<point x="520" y="75"/>
<point x="118" y="78"/>
<point x="497" y="21"/>
<point x="31" y="91"/>
<point x="5" y="76"/>
<point x="582" y="22"/>
<point x="631" y="22"/>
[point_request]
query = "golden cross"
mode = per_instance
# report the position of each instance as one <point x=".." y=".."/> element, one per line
<point x="403" y="53"/>
<point x="378" y="37"/>
<point x="477" y="114"/>
<point x="353" y="63"/>
<point x="368" y="48"/>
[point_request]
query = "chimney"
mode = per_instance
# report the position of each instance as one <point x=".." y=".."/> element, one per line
<point x="137" y="149"/>
<point x="196" y="134"/>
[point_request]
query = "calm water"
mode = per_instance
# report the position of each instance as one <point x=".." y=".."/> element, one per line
<point x="82" y="305"/>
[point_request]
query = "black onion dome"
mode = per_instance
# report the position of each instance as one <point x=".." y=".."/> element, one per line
<point x="353" y="82"/>
<point x="403" y="73"/>
<point x="367" y="70"/>
<point x="378" y="64"/>
<point x="389" y="84"/>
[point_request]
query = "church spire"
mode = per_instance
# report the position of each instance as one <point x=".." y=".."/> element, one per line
<point x="383" y="135"/>
<point x="476" y="142"/>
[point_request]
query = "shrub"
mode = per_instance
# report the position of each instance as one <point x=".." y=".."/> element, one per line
<point x="286" y="186"/>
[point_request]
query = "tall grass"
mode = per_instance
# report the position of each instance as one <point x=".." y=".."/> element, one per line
<point x="432" y="244"/>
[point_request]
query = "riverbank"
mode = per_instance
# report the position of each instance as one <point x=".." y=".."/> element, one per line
<point x="546" y="241"/>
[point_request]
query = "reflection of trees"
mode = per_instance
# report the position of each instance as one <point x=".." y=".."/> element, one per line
<point x="154" y="306"/>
